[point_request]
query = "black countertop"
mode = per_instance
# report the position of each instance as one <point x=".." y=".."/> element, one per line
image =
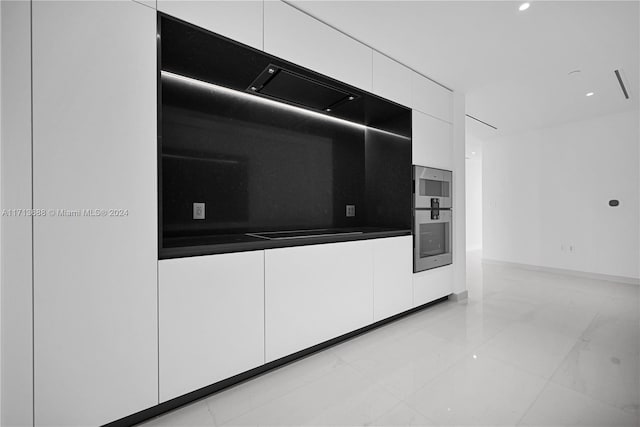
<point x="225" y="243"/>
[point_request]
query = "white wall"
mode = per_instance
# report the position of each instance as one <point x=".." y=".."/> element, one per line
<point x="546" y="193"/>
<point x="474" y="203"/>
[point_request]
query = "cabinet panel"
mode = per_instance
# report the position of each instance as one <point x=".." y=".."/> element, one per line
<point x="303" y="40"/>
<point x="211" y="312"/>
<point x="432" y="284"/>
<point x="238" y="20"/>
<point x="315" y="293"/>
<point x="431" y="98"/>
<point x="432" y="143"/>
<point x="392" y="276"/>
<point x="149" y="3"/>
<point x="94" y="147"/>
<point x="391" y="79"/>
<point x="17" y="249"/>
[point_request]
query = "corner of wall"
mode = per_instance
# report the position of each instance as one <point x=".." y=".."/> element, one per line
<point x="459" y="213"/>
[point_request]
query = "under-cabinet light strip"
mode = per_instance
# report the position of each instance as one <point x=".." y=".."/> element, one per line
<point x="266" y="101"/>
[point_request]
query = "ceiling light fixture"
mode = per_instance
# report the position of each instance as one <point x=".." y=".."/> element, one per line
<point x="524" y="6"/>
<point x="590" y="94"/>
<point x="473" y="152"/>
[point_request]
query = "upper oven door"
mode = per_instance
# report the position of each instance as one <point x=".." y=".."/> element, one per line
<point x="431" y="240"/>
<point x="432" y="188"/>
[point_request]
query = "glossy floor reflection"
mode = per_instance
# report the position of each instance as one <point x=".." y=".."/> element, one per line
<point x="528" y="348"/>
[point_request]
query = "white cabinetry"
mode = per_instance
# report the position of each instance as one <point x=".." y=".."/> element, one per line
<point x="432" y="284"/>
<point x="432" y="143"/>
<point x="391" y="79"/>
<point x="315" y="293"/>
<point x="431" y="98"/>
<point x="211" y="311"/>
<point x="238" y="20"/>
<point x="17" y="297"/>
<point x="94" y="147"/>
<point x="392" y="276"/>
<point x="303" y="40"/>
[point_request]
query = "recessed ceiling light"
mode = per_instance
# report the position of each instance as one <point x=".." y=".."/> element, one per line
<point x="590" y="94"/>
<point x="473" y="152"/>
<point x="524" y="6"/>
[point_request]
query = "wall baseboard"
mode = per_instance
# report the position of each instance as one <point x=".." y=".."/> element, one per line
<point x="575" y="273"/>
<point x="460" y="296"/>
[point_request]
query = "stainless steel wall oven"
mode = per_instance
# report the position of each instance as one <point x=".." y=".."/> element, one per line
<point x="432" y="218"/>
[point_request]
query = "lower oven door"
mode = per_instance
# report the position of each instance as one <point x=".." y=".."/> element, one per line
<point x="431" y="240"/>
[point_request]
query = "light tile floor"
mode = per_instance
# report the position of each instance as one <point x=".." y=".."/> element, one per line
<point x="528" y="348"/>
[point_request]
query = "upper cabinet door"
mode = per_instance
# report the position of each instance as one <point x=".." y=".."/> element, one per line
<point x="237" y="20"/>
<point x="432" y="142"/>
<point x="391" y="79"/>
<point x="95" y="260"/>
<point x="294" y="36"/>
<point x="431" y="98"/>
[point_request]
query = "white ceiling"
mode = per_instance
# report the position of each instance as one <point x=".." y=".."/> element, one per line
<point x="512" y="65"/>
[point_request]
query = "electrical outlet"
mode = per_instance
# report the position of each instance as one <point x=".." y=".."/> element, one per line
<point x="351" y="210"/>
<point x="198" y="211"/>
<point x="572" y="248"/>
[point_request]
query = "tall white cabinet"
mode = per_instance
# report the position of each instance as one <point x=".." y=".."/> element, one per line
<point x="94" y="147"/>
<point x="15" y="265"/>
<point x="238" y="20"/>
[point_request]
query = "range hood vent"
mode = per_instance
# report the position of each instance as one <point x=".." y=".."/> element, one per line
<point x="284" y="85"/>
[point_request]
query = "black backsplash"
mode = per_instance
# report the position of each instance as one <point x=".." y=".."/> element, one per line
<point x="262" y="166"/>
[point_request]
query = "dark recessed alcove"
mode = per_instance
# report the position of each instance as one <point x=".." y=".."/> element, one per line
<point x="262" y="166"/>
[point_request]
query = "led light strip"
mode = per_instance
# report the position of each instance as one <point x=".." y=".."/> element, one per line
<point x="272" y="103"/>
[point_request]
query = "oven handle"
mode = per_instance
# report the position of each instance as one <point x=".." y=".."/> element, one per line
<point x="426" y="216"/>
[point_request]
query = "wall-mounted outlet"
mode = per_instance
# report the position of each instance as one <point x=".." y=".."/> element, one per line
<point x="351" y="210"/>
<point x="572" y="248"/>
<point x="198" y="211"/>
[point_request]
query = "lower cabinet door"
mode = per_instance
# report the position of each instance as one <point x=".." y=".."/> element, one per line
<point x="315" y="293"/>
<point x="432" y="284"/>
<point x="211" y="319"/>
<point x="392" y="276"/>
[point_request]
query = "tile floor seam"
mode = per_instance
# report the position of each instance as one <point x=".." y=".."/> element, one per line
<point x="394" y="392"/>
<point x="637" y="414"/>
<point x="288" y="393"/>
<point x="557" y="383"/>
<point x="512" y="364"/>
<point x="596" y="398"/>
<point x="487" y="357"/>
<point x="533" y="402"/>
<point x="266" y="402"/>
